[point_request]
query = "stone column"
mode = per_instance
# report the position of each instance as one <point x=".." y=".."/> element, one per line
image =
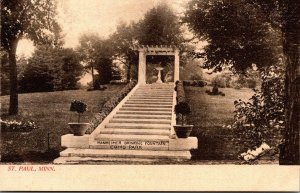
<point x="142" y="67"/>
<point x="176" y="65"/>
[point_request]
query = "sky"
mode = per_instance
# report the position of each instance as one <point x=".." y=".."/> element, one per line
<point x="100" y="16"/>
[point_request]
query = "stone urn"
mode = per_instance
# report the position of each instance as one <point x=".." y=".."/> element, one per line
<point x="183" y="131"/>
<point x="78" y="129"/>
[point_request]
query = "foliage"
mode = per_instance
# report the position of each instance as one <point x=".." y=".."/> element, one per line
<point x="31" y="19"/>
<point x="182" y="108"/>
<point x="197" y="83"/>
<point x="109" y="106"/>
<point x="160" y="26"/>
<point x="18" y="126"/>
<point x="237" y="33"/>
<point x="50" y="69"/>
<point x="4" y="75"/>
<point x="191" y="71"/>
<point x="250" y="79"/>
<point x="78" y="106"/>
<point x="96" y="53"/>
<point x="180" y="92"/>
<point x="262" y="118"/>
<point x="123" y="40"/>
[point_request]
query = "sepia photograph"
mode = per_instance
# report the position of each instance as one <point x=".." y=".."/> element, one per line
<point x="157" y="86"/>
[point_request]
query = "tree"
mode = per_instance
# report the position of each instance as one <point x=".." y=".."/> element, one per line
<point x="103" y="60"/>
<point x="33" y="19"/>
<point x="240" y="33"/>
<point x="123" y="40"/>
<point x="87" y="44"/>
<point x="96" y="53"/>
<point x="236" y="32"/>
<point x="50" y="68"/>
<point x="160" y="26"/>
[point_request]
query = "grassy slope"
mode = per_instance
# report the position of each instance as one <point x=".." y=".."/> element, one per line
<point x="51" y="112"/>
<point x="209" y="114"/>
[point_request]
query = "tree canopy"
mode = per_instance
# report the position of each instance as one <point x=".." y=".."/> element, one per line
<point x="237" y="33"/>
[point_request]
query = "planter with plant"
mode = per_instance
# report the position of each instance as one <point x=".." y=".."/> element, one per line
<point x="78" y="128"/>
<point x="183" y="130"/>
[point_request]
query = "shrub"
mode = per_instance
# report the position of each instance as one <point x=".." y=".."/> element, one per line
<point x="222" y="80"/>
<point x="78" y="106"/>
<point x="182" y="108"/>
<point x="180" y="92"/>
<point x="262" y="118"/>
<point x="109" y="106"/>
<point x="215" y="91"/>
<point x="15" y="126"/>
<point x="181" y="103"/>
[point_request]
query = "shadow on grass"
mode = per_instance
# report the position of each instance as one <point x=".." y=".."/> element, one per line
<point x="213" y="145"/>
<point x="31" y="156"/>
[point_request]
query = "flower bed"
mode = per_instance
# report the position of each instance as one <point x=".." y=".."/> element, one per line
<point x="17" y="126"/>
<point x="109" y="106"/>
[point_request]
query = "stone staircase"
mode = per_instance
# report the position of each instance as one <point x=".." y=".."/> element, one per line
<point x="139" y="129"/>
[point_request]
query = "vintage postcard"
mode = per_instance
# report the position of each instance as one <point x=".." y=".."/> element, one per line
<point x="196" y="95"/>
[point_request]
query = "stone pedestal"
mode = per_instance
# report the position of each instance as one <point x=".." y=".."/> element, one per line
<point x="159" y="69"/>
<point x="70" y="140"/>
<point x="183" y="143"/>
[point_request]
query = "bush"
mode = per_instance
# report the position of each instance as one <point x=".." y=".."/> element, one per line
<point x="262" y="118"/>
<point x="180" y="99"/>
<point x="109" y="106"/>
<point x="222" y="80"/>
<point x="199" y="83"/>
<point x="215" y="91"/>
<point x="180" y="92"/>
<point x="15" y="126"/>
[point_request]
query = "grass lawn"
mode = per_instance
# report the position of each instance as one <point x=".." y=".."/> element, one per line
<point x="51" y="112"/>
<point x="209" y="115"/>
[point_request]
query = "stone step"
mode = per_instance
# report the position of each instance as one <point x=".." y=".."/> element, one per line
<point x="156" y="87"/>
<point x="149" y="121"/>
<point x="152" y="92"/>
<point x="152" y="98"/>
<point x="127" y="112"/>
<point x="146" y="108"/>
<point x="106" y="160"/>
<point x="75" y="152"/>
<point x="153" y="95"/>
<point x="138" y="126"/>
<point x="130" y="116"/>
<point x="149" y="102"/>
<point x="143" y="91"/>
<point x="147" y="105"/>
<point x="135" y="131"/>
<point x="115" y="137"/>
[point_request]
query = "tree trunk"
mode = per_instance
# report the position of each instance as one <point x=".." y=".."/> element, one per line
<point x="289" y="152"/>
<point x="13" y="102"/>
<point x="93" y="76"/>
